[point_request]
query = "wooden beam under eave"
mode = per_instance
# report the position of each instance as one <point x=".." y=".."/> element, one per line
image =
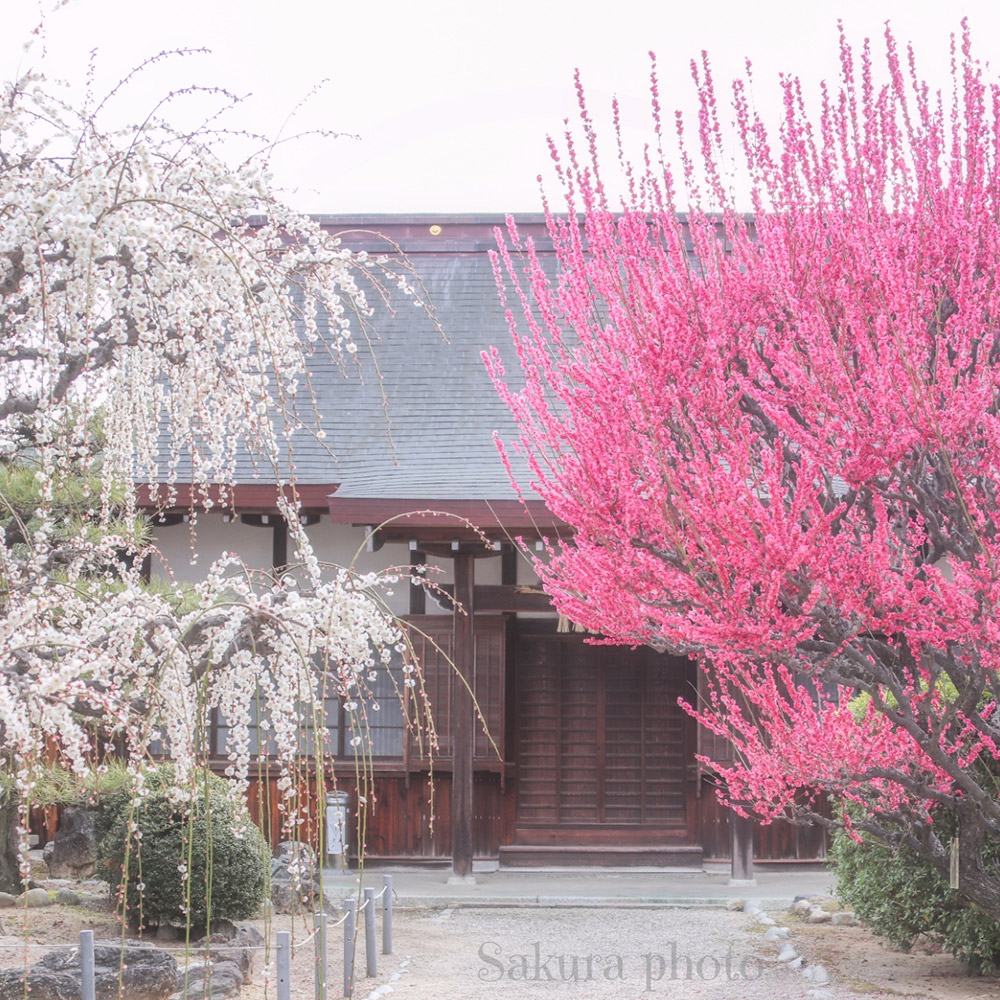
<point x="498" y="598"/>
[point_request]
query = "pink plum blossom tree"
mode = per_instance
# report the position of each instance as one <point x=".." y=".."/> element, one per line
<point x="776" y="435"/>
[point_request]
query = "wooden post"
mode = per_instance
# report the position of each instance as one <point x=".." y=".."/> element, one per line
<point x="418" y="593"/>
<point x="279" y="545"/>
<point x="462" y="721"/>
<point x="742" y="865"/>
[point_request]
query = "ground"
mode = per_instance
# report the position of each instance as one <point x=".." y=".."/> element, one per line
<point x="576" y="953"/>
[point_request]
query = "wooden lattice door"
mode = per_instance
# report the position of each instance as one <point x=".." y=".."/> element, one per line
<point x="601" y="740"/>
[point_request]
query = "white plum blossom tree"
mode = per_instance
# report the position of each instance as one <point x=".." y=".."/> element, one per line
<point x="146" y="283"/>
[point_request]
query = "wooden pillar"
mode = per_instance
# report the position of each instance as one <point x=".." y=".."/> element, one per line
<point x="418" y="592"/>
<point x="508" y="565"/>
<point x="462" y="720"/>
<point x="279" y="545"/>
<point x="742" y="864"/>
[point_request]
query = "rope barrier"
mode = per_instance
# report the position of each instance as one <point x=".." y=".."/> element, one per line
<point x="305" y="941"/>
<point x="202" y="950"/>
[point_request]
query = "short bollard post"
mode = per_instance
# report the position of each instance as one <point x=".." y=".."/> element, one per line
<point x="284" y="966"/>
<point x="387" y="915"/>
<point x="350" y="905"/>
<point x="320" y="921"/>
<point x="371" y="953"/>
<point x="87" y="987"/>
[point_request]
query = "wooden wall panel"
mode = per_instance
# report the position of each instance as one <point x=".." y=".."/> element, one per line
<point x="407" y="816"/>
<point x="601" y="739"/>
<point x="433" y="647"/>
<point x="779" y="841"/>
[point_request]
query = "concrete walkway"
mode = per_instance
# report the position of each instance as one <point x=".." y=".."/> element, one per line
<point x="526" y="887"/>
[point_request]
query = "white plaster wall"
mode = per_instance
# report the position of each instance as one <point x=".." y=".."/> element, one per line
<point x="344" y="545"/>
<point x="336" y="544"/>
<point x="190" y="556"/>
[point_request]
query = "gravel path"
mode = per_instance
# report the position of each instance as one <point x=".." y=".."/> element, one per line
<point x="581" y="954"/>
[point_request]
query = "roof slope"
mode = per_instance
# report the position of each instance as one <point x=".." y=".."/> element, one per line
<point x="412" y="414"/>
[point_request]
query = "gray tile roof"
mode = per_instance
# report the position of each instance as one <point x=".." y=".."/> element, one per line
<point x="412" y="414"/>
<point x="415" y="417"/>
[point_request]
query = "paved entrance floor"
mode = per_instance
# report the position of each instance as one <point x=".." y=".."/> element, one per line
<point x="582" y="887"/>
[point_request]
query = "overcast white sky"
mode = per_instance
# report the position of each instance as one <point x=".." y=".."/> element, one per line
<point x="451" y="100"/>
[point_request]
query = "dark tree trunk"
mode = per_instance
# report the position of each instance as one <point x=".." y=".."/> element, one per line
<point x="10" y="873"/>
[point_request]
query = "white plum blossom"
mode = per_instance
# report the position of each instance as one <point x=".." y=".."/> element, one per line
<point x="148" y="285"/>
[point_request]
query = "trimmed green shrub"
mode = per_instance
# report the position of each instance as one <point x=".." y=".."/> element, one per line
<point x="901" y="897"/>
<point x="227" y="871"/>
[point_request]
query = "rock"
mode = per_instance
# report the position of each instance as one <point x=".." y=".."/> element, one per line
<point x="67" y="897"/>
<point x="293" y="855"/>
<point x="818" y="916"/>
<point x="736" y="904"/>
<point x="34" y="897"/>
<point x="816" y="974"/>
<point x="786" y="953"/>
<point x="295" y="879"/>
<point x="166" y="932"/>
<point x="73" y="853"/>
<point x="242" y="958"/>
<point x="776" y="934"/>
<point x="224" y="930"/>
<point x="95" y="902"/>
<point x="763" y="918"/>
<point x="208" y="980"/>
<point x="145" y="974"/>
<point x="7" y="900"/>
<point x="801" y="906"/>
<point x="845" y="919"/>
<point x="249" y="935"/>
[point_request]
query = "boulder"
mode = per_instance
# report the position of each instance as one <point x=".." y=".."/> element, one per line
<point x="34" y="897"/>
<point x="786" y="953"/>
<point x="7" y="900"/>
<point x="247" y="934"/>
<point x="293" y="859"/>
<point x="144" y="973"/>
<point x="295" y="877"/>
<point x="816" y="974"/>
<point x="73" y="853"/>
<point x="242" y="958"/>
<point x="232" y="943"/>
<point x="67" y="897"/>
<point x="208" y="980"/>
